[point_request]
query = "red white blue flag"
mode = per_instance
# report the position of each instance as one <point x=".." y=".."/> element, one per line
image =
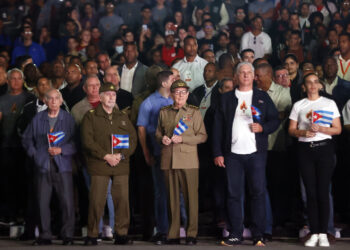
<point x="180" y="128"/>
<point x="120" y="141"/>
<point x="256" y="113"/>
<point x="322" y="117"/>
<point x="55" y="138"/>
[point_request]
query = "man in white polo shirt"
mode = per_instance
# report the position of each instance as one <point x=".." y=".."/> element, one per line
<point x="191" y="67"/>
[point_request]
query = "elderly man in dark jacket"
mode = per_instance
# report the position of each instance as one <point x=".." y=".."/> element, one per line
<point x="48" y="139"/>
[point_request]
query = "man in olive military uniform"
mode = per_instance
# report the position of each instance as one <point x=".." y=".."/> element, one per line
<point x="180" y="129"/>
<point x="105" y="130"/>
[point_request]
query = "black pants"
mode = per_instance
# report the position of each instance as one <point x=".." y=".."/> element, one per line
<point x="316" y="165"/>
<point x="62" y="183"/>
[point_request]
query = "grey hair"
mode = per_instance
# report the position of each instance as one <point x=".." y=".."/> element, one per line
<point x="89" y="77"/>
<point x="11" y="71"/>
<point x="47" y="93"/>
<point x="244" y="63"/>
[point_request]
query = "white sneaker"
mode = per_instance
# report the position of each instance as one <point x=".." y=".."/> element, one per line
<point x="247" y="234"/>
<point x="312" y="242"/>
<point x="107" y="232"/>
<point x="182" y="232"/>
<point x="323" y="240"/>
<point x="225" y="233"/>
<point x="303" y="232"/>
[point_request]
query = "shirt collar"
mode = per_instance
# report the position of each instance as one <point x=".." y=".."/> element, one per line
<point x="209" y="88"/>
<point x="196" y="59"/>
<point x="341" y="58"/>
<point x="126" y="68"/>
<point x="272" y="87"/>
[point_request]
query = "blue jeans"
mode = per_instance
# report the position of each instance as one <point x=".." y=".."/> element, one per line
<point x="160" y="199"/>
<point x="110" y="205"/>
<point x="251" y="167"/>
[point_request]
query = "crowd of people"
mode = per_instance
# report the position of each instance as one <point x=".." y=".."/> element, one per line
<point x="125" y="114"/>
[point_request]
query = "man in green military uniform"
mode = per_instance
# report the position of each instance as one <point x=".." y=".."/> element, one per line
<point x="179" y="159"/>
<point x="105" y="130"/>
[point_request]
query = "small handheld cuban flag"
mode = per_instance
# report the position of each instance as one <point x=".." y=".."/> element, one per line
<point x="180" y="128"/>
<point x="322" y="117"/>
<point x="256" y="113"/>
<point x="120" y="141"/>
<point x="55" y="138"/>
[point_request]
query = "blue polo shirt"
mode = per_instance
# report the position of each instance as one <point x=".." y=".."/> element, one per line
<point x="34" y="50"/>
<point x="148" y="117"/>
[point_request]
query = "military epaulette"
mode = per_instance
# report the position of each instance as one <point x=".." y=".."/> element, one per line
<point x="167" y="107"/>
<point x="193" y="106"/>
<point x="92" y="110"/>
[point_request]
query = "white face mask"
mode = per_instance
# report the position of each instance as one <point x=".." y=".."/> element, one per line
<point x="119" y="49"/>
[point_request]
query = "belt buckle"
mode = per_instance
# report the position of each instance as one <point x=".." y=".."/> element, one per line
<point x="312" y="145"/>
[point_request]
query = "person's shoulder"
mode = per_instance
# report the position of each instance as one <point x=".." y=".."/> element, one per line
<point x="166" y="108"/>
<point x="193" y="107"/>
<point x="327" y="100"/>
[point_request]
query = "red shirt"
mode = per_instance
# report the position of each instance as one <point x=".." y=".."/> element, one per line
<point x="169" y="54"/>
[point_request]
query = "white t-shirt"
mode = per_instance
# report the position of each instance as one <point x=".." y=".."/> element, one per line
<point x="321" y="111"/>
<point x="346" y="113"/>
<point x="243" y="139"/>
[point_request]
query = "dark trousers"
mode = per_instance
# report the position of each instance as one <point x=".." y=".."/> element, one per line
<point x="316" y="166"/>
<point x="12" y="182"/>
<point x="252" y="168"/>
<point x="62" y="183"/>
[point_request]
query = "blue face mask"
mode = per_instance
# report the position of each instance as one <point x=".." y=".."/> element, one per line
<point x="119" y="49"/>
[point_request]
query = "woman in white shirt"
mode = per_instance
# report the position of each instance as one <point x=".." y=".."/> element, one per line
<point x="313" y="120"/>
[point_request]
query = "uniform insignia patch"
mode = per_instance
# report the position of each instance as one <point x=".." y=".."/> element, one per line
<point x="187" y="117"/>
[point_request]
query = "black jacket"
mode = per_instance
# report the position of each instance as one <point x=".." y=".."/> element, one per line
<point x="224" y="116"/>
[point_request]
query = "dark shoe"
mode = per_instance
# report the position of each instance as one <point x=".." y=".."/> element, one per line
<point x="331" y="239"/>
<point x="67" y="242"/>
<point x="42" y="242"/>
<point x="259" y="242"/>
<point x="90" y="241"/>
<point x="26" y="236"/>
<point x="267" y="237"/>
<point x="172" y="242"/>
<point x="122" y="240"/>
<point x="191" y="241"/>
<point x="231" y="241"/>
<point x="159" y="239"/>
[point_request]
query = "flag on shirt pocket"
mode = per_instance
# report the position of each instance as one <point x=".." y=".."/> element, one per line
<point x="180" y="128"/>
<point x="55" y="138"/>
<point x="120" y="141"/>
<point x="256" y="113"/>
<point x="322" y="117"/>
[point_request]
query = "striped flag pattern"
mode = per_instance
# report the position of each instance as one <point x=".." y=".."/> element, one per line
<point x="180" y="128"/>
<point x="120" y="141"/>
<point x="322" y="117"/>
<point x="55" y="138"/>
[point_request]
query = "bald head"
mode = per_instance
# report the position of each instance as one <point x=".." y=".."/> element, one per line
<point x="263" y="76"/>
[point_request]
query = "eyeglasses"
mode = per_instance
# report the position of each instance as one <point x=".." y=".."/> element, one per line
<point x="180" y="92"/>
<point x="282" y="76"/>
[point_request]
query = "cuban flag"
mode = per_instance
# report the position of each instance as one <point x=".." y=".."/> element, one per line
<point x="322" y="117"/>
<point x="256" y="113"/>
<point x="55" y="138"/>
<point x="120" y="141"/>
<point x="180" y="128"/>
